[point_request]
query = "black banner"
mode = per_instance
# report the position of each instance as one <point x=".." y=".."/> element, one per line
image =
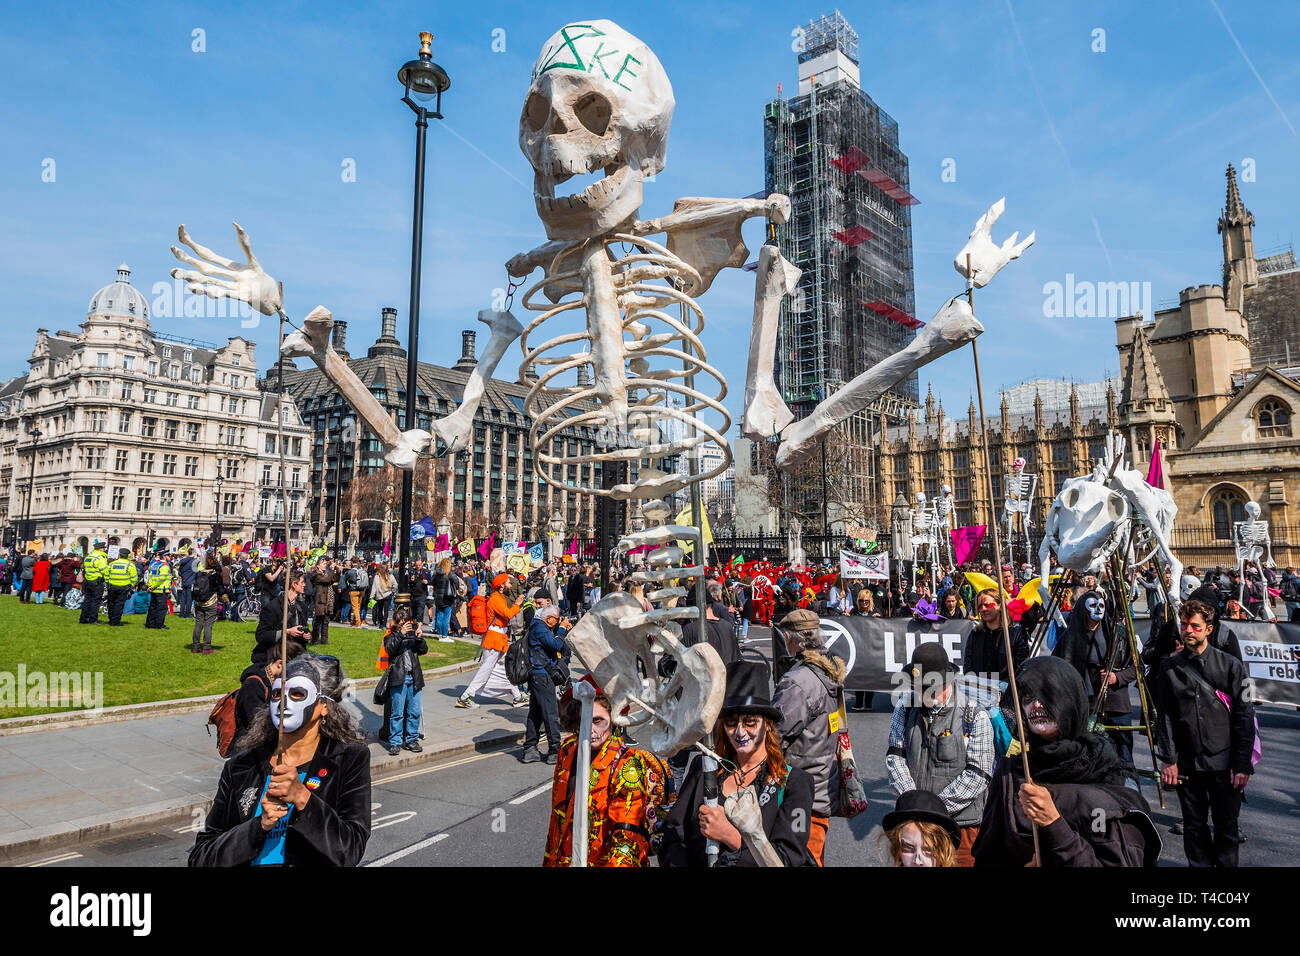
<point x="876" y="648"/>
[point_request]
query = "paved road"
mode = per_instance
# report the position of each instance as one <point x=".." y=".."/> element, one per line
<point x="491" y="810"/>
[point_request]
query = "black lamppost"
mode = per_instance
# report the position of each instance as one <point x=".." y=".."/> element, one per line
<point x="28" y="531"/>
<point x="425" y="80"/>
<point x="347" y="435"/>
<point x="216" y="525"/>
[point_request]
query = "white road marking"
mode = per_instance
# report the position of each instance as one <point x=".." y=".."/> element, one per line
<point x="424" y="770"/>
<point x="143" y="784"/>
<point x="530" y="794"/>
<point x="391" y="819"/>
<point x="194" y="827"/>
<point x="62" y="857"/>
<point x="393" y="857"/>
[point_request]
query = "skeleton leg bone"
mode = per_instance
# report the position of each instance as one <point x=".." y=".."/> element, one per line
<point x="313" y="342"/>
<point x="952" y="327"/>
<point x="765" y="412"/>
<point x="455" y="429"/>
<point x="745" y="815"/>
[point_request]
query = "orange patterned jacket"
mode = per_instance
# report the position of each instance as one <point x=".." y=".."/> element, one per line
<point x="630" y="792"/>
<point x="499" y="615"/>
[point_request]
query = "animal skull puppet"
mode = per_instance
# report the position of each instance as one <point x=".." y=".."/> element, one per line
<point x="1094" y="514"/>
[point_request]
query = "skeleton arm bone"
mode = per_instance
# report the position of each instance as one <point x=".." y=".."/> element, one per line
<point x="401" y="448"/>
<point x="455" y="429"/>
<point x="765" y="413"/>
<point x="952" y="327"/>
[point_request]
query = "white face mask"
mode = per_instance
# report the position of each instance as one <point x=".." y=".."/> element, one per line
<point x="300" y="698"/>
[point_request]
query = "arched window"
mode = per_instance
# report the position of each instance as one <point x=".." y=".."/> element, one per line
<point x="1274" y="418"/>
<point x="1229" y="507"/>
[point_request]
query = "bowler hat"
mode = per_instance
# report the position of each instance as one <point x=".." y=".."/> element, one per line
<point x="922" y="806"/>
<point x="930" y="657"/>
<point x="747" y="690"/>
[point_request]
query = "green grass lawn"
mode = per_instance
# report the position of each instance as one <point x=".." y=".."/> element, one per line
<point x="140" y="666"/>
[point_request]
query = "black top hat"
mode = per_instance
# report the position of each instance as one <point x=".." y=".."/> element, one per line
<point x="747" y="690"/>
<point x="922" y="805"/>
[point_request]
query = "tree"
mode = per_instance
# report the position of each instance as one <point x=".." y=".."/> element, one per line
<point x="843" y="484"/>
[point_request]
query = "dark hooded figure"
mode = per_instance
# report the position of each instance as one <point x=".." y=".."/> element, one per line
<point x="1086" y="816"/>
<point x="1099" y="651"/>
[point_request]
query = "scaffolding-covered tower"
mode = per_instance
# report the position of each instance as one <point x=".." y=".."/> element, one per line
<point x="835" y="153"/>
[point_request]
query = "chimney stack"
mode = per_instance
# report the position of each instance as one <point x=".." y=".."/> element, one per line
<point x="584" y="375"/>
<point x="339" y="338"/>
<point x="466" y="362"/>
<point x="387" y="343"/>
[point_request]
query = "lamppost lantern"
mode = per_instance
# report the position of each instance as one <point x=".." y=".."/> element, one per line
<point x="424" y="79"/>
<point x="510" y="528"/>
<point x="444" y="528"/>
<point x="900" y="515"/>
<point x="638" y="520"/>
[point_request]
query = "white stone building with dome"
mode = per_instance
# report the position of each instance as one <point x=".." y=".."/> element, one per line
<point x="136" y="427"/>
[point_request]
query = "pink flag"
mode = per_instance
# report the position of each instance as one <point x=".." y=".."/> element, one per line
<point x="573" y="546"/>
<point x="966" y="540"/>
<point x="443" y="543"/>
<point x="1156" y="473"/>
<point x="485" y="549"/>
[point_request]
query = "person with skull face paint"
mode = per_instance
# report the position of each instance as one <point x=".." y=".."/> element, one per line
<point x="749" y="742"/>
<point x="1099" y="651"/>
<point x="306" y="806"/>
<point x="1084" y="813"/>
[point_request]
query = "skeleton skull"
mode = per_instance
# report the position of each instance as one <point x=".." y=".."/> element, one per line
<point x="599" y="101"/>
<point x="1018" y="465"/>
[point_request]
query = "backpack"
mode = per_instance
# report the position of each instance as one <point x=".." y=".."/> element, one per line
<point x="223" y="718"/>
<point x="448" y="588"/>
<point x="203" y="589"/>
<point x="478" y="614"/>
<point x="519" y="661"/>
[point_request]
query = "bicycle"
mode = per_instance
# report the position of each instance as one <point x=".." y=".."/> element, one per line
<point x="250" y="607"/>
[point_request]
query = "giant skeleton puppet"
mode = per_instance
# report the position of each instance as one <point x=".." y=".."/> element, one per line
<point x="1096" y="514"/>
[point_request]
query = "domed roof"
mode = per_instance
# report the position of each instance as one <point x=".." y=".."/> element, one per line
<point x="119" y="298"/>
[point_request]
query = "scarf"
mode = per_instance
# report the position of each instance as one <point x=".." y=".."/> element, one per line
<point x="1077" y="755"/>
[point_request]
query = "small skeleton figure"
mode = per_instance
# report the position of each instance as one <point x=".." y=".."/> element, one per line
<point x="946" y="512"/>
<point x="1018" y="489"/>
<point x="1251" y="541"/>
<point x="925" y="524"/>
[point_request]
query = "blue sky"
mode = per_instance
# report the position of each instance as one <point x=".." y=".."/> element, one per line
<point x="1116" y="158"/>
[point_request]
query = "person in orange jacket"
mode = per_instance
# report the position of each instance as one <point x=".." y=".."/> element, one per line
<point x="490" y="680"/>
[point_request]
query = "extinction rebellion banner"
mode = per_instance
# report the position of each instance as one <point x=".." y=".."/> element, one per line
<point x="876" y="648"/>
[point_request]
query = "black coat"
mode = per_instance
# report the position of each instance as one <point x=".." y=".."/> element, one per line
<point x="1127" y="836"/>
<point x="404" y="657"/>
<point x="331" y="830"/>
<point x="986" y="653"/>
<point x="1193" y="727"/>
<point x="268" y="625"/>
<point x="1089" y="652"/>
<point x="785" y="821"/>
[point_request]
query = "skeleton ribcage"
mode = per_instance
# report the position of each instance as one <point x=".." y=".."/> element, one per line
<point x="657" y="315"/>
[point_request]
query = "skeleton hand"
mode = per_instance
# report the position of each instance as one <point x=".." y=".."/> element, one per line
<point x="987" y="259"/>
<point x="219" y="277"/>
